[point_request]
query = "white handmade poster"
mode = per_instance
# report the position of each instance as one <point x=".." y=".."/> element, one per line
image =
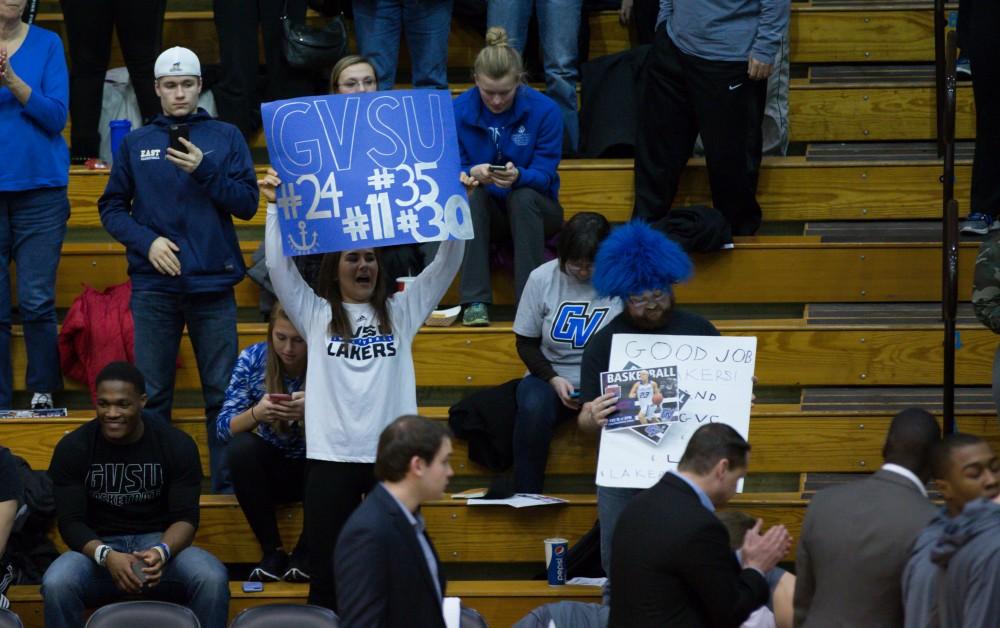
<point x="647" y="435"/>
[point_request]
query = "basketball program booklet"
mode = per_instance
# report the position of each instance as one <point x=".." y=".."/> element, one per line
<point x="648" y="400"/>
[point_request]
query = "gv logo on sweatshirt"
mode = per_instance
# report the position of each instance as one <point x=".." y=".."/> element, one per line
<point x="367" y="344"/>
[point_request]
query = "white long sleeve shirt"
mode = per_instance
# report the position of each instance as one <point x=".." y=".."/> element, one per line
<point x="355" y="389"/>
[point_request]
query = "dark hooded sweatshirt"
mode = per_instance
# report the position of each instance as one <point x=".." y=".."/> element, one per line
<point x="969" y="553"/>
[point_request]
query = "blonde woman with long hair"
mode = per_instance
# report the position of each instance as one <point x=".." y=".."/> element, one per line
<point x="261" y="420"/>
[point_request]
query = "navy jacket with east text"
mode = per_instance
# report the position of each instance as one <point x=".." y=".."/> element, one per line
<point x="147" y="196"/>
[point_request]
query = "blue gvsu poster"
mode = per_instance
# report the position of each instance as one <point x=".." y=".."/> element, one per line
<point x="366" y="170"/>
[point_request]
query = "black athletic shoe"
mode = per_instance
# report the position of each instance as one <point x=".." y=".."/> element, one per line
<point x="298" y="567"/>
<point x="270" y="568"/>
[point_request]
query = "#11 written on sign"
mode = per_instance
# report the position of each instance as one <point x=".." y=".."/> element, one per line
<point x="366" y="170"/>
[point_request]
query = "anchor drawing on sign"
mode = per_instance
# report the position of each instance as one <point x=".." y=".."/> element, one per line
<point x="303" y="246"/>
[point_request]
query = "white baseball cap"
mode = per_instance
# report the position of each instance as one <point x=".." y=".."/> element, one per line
<point x="177" y="61"/>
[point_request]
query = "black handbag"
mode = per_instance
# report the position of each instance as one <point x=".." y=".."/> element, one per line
<point x="310" y="47"/>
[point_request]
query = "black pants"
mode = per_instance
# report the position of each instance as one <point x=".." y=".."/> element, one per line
<point x="89" y="24"/>
<point x="682" y="95"/>
<point x="526" y="219"/>
<point x="980" y="43"/>
<point x="333" y="491"/>
<point x="236" y="24"/>
<point x="262" y="478"/>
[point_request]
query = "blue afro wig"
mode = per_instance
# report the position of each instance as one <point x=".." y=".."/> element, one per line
<point x="636" y="258"/>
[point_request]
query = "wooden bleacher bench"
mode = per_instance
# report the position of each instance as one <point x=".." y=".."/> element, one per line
<point x="774" y="269"/>
<point x="879" y="186"/>
<point x="501" y="602"/>
<point x="790" y="352"/>
<point x="786" y="438"/>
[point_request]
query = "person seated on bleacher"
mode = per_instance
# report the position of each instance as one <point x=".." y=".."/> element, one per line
<point x="388" y="573"/>
<point x="34" y="208"/>
<point x="639" y="266"/>
<point x="11" y="496"/>
<point x="172" y="209"/>
<point x="261" y="420"/>
<point x="965" y="468"/>
<point x="360" y="375"/>
<point x="126" y="492"/>
<point x="558" y="314"/>
<point x="510" y="140"/>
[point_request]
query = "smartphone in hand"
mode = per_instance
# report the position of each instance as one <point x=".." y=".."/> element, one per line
<point x="178" y="131"/>
<point x="282" y="397"/>
<point x="137" y="569"/>
<point x="496" y="168"/>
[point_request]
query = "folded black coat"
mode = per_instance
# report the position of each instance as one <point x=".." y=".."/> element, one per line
<point x="696" y="229"/>
<point x="609" y="103"/>
<point x="486" y="420"/>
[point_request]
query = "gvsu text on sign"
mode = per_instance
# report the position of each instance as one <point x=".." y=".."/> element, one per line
<point x="366" y="170"/>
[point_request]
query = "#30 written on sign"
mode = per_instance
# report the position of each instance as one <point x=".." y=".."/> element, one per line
<point x="366" y="170"/>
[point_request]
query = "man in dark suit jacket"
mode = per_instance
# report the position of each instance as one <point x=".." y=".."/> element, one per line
<point x="388" y="574"/>
<point x="671" y="563"/>
<point x="856" y="538"/>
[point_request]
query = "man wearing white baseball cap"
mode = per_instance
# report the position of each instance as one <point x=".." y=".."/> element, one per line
<point x="175" y="185"/>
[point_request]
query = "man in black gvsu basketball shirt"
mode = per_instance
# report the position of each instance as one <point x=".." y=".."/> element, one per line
<point x="127" y="502"/>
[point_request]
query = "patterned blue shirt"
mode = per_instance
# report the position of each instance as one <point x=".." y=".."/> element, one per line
<point x="246" y="388"/>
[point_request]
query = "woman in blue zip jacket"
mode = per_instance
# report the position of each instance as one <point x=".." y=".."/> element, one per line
<point x="510" y="138"/>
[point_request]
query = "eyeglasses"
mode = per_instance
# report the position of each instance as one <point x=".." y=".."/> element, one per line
<point x="368" y="81"/>
<point x="656" y="297"/>
<point x="579" y="269"/>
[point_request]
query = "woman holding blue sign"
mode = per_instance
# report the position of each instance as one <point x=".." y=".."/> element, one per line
<point x="510" y="138"/>
<point x="360" y="375"/>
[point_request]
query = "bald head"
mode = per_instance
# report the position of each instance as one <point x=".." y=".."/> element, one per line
<point x="912" y="433"/>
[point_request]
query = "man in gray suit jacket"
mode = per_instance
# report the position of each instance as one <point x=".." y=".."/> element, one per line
<point x="856" y="538"/>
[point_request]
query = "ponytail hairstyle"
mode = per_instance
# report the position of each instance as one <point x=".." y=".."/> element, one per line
<point x="498" y="59"/>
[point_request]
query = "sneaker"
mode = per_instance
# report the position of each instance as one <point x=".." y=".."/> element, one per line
<point x="41" y="401"/>
<point x="298" y="567"/>
<point x="476" y="315"/>
<point x="979" y="224"/>
<point x="271" y="568"/>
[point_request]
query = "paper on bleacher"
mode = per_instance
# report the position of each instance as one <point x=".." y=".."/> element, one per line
<point x="520" y="500"/>
<point x="715" y="384"/>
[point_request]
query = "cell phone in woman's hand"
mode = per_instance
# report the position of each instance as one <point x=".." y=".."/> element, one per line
<point x="279" y="397"/>
<point x="496" y="168"/>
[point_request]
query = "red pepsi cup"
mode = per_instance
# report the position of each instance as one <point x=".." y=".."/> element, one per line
<point x="555" y="560"/>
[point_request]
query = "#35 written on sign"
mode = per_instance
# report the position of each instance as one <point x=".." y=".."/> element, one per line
<point x="366" y="170"/>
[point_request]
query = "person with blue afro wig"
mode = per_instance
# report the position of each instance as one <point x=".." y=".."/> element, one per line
<point x="635" y="259"/>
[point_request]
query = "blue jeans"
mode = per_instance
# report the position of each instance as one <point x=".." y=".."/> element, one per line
<point x="611" y="502"/>
<point x="193" y="577"/>
<point x="559" y="30"/>
<point x="211" y="321"/>
<point x="538" y="411"/>
<point x="32" y="226"/>
<point x="426" y="24"/>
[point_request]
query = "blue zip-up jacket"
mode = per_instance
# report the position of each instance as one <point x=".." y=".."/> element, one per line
<point x="533" y="141"/>
<point x="148" y="197"/>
